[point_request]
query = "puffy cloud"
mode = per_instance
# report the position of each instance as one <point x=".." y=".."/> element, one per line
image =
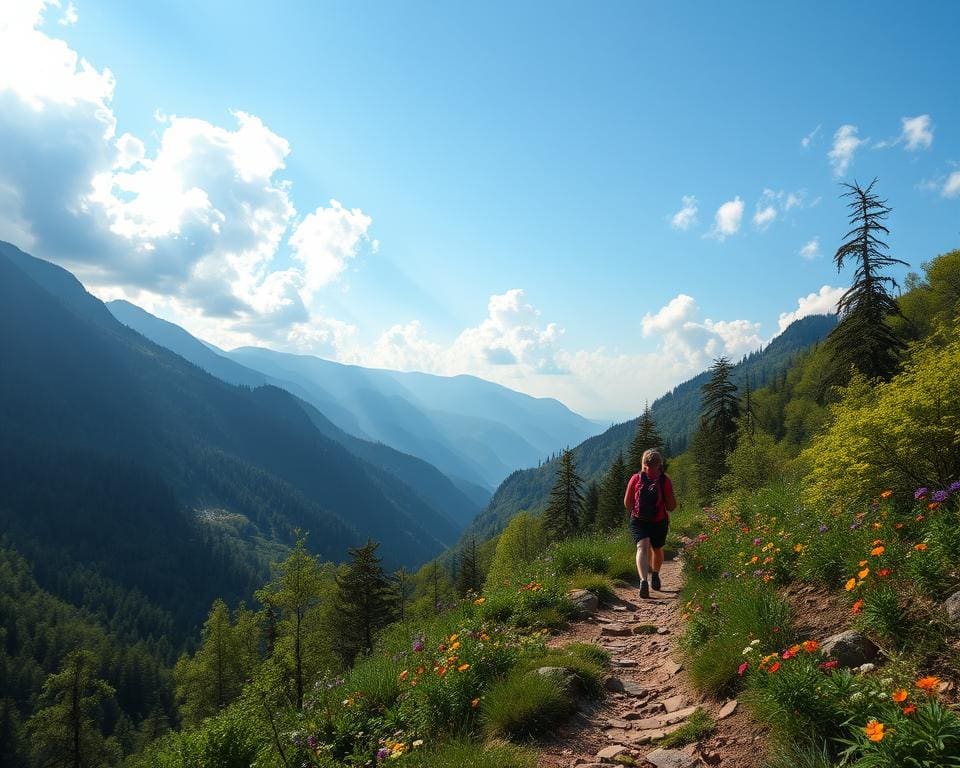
<point x="917" y="132"/>
<point x="845" y="144"/>
<point x="326" y="239"/>
<point x="811" y="248"/>
<point x="686" y="217"/>
<point x="727" y="220"/>
<point x="951" y="187"/>
<point x="806" y="140"/>
<point x="764" y="217"/>
<point x="823" y="302"/>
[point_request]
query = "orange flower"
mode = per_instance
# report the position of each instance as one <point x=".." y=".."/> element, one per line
<point x="876" y="526"/>
<point x="874" y="731"/>
<point x="463" y="668"/>
<point x="899" y="695"/>
<point x="898" y="526"/>
<point x="480" y="601"/>
<point x="886" y="494"/>
<point x="404" y="674"/>
<point x="877" y="551"/>
<point x="919" y="518"/>
<point x="921" y="547"/>
<point x="863" y="574"/>
<point x="877" y="542"/>
<point x="810" y="645"/>
<point x="909" y="709"/>
<point x="862" y="563"/>
<point x="928" y="683"/>
<point x="857" y="606"/>
<point x="933" y="506"/>
<point x="475" y="703"/>
<point x="774" y="667"/>
<point x="851" y="583"/>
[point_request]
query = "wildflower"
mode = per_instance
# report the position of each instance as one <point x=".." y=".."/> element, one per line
<point x="798" y="548"/>
<point x="755" y="642"/>
<point x="851" y="583"/>
<point x="898" y="526"/>
<point x="742" y="668"/>
<point x="940" y="496"/>
<point x="877" y="551"/>
<point x="405" y="674"/>
<point x="899" y="695"/>
<point x="417" y="743"/>
<point x="909" y="709"/>
<point x="810" y="645"/>
<point x="876" y="526"/>
<point x="829" y="664"/>
<point x="928" y="683"/>
<point x="919" y="518"/>
<point x="863" y="574"/>
<point x="921" y="547"/>
<point x="418" y="644"/>
<point x="480" y="601"/>
<point x="420" y="670"/>
<point x="883" y="573"/>
<point x="383" y="753"/>
<point x="886" y="494"/>
<point x="455" y="646"/>
<point x="774" y="667"/>
<point x="863" y="563"/>
<point x="868" y="667"/>
<point x="789" y="654"/>
<point x="857" y="607"/>
<point x="312" y="741"/>
<point x="823" y="528"/>
<point x="920" y="493"/>
<point x="463" y="668"/>
<point x="954" y="486"/>
<point x="874" y="731"/>
<point x="453" y="638"/>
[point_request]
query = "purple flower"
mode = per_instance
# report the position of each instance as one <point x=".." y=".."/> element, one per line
<point x="919" y="493"/>
<point x="418" y="643"/>
<point x="940" y="496"/>
<point x="954" y="486"/>
<point x="312" y="741"/>
<point x="823" y="528"/>
<point x="383" y="753"/>
<point x="756" y="542"/>
<point x="854" y="526"/>
<point x="725" y="575"/>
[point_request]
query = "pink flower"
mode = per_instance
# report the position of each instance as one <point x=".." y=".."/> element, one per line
<point x="742" y="668"/>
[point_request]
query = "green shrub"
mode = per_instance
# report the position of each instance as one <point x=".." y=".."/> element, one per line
<point x="697" y="727"/>
<point x="590" y="652"/>
<point x="525" y="705"/>
<point x="468" y="754"/>
<point x="572" y="555"/>
<point x="588" y="675"/>
<point x="594" y="582"/>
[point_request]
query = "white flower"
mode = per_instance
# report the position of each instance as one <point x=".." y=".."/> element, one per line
<point x="755" y="642"/>
<point x="856" y="696"/>
<point x="746" y="650"/>
<point x="864" y="668"/>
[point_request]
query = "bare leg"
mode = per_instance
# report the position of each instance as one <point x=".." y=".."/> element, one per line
<point x="656" y="559"/>
<point x="643" y="559"/>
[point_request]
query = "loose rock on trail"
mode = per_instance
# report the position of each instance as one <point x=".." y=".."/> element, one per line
<point x="648" y="695"/>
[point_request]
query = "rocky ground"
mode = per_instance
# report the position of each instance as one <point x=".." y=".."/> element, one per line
<point x="648" y="693"/>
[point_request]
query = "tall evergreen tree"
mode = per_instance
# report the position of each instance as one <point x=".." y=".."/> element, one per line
<point x="294" y="591"/>
<point x="748" y="416"/>
<point x="401" y="588"/>
<point x="468" y="574"/>
<point x="863" y="339"/>
<point x="646" y="437"/>
<point x="610" y="512"/>
<point x="591" y="504"/>
<point x="64" y="732"/>
<point x="363" y="597"/>
<point x="716" y="435"/>
<point x="562" y="517"/>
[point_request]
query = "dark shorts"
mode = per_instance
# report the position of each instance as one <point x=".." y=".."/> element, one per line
<point x="656" y="532"/>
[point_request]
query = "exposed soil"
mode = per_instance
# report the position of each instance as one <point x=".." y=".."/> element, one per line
<point x="658" y="695"/>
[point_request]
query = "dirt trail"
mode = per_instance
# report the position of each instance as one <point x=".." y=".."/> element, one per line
<point x="650" y="694"/>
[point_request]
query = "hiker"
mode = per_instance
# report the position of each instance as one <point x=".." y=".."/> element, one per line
<point x="650" y="498"/>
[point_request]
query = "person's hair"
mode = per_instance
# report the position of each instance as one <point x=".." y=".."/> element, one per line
<point x="651" y="458"/>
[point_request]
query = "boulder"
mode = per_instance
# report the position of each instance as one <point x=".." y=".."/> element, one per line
<point x="952" y="606"/>
<point x="727" y="709"/>
<point x="671" y="758"/>
<point x="566" y="678"/>
<point x="584" y="601"/>
<point x="609" y="753"/>
<point x="850" y="648"/>
<point x="615" y="630"/>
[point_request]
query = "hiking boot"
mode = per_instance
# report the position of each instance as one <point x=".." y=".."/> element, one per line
<point x="644" y="589"/>
<point x="655" y="580"/>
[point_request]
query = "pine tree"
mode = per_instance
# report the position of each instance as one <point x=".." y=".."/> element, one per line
<point x="611" y="513"/>
<point x="64" y="732"/>
<point x="647" y="436"/>
<point x="401" y="589"/>
<point x="468" y="574"/>
<point x="294" y="591"/>
<point x="363" y="598"/>
<point x="591" y="503"/>
<point x="748" y="416"/>
<point x="561" y="519"/>
<point x="715" y="437"/>
<point x="863" y="339"/>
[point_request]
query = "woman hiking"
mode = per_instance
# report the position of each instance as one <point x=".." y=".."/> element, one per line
<point x="650" y="499"/>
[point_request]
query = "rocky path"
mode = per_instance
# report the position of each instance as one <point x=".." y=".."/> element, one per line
<point x="648" y="693"/>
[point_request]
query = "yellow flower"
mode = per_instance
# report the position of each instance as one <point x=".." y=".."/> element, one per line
<point x="455" y="646"/>
<point x="851" y="583"/>
<point x="798" y="548"/>
<point x="480" y="601"/>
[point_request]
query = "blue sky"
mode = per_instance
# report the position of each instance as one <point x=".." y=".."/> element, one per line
<point x="586" y="202"/>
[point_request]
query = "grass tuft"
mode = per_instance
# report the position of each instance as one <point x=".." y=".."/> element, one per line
<point x="524" y="706"/>
<point x="698" y="726"/>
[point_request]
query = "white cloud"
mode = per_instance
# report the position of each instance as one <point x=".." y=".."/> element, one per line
<point x="811" y="248"/>
<point x="727" y="220"/>
<point x="686" y="217"/>
<point x="325" y="240"/>
<point x="70" y="16"/>
<point x="764" y="217"/>
<point x="823" y="302"/>
<point x="845" y="144"/>
<point x="806" y="140"/>
<point x="917" y="132"/>
<point x="951" y="187"/>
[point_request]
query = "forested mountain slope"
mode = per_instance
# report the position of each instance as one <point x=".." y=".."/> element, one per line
<point x="675" y="414"/>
